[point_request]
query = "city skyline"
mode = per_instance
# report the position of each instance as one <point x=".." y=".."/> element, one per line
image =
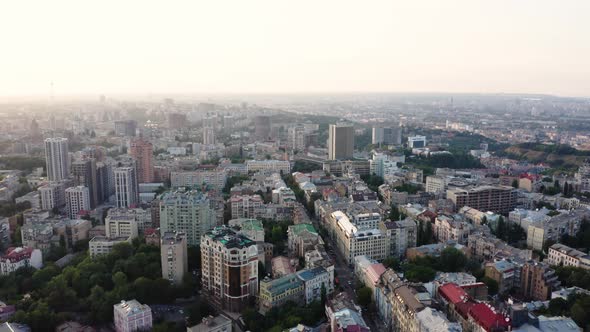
<point x="270" y="47"/>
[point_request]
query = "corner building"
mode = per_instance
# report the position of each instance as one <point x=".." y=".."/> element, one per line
<point x="229" y="266"/>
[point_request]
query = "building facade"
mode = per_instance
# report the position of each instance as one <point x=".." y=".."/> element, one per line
<point x="126" y="187"/>
<point x="77" y="199"/>
<point x="189" y="212"/>
<point x="57" y="159"/>
<point x="130" y="316"/>
<point x="143" y="152"/>
<point x="174" y="254"/>
<point x="229" y="268"/>
<point x="340" y="141"/>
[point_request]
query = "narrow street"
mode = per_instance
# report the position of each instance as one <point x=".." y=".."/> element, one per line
<point x="345" y="275"/>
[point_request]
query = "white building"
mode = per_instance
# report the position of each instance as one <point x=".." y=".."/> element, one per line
<point x="126" y="187"/>
<point x="562" y="255"/>
<point x="57" y="159"/>
<point x="416" y="142"/>
<point x="130" y="316"/>
<point x="383" y="165"/>
<point x="15" y="258"/>
<point x="314" y="280"/>
<point x="432" y="320"/>
<point x="215" y="178"/>
<point x="102" y="245"/>
<point x="352" y="242"/>
<point x="436" y="184"/>
<point x="77" y="199"/>
<point x="143" y="218"/>
<point x="121" y="226"/>
<point x="271" y="165"/>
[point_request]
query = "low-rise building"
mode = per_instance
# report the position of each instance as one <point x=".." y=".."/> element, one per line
<point x="102" y="245"/>
<point x="562" y="255"/>
<point x="17" y="257"/>
<point x="451" y="228"/>
<point x="243" y="206"/>
<point x="400" y="236"/>
<point x="301" y="238"/>
<point x="352" y="242"/>
<point x="251" y="228"/>
<point x="132" y="316"/>
<point x="314" y="280"/>
<point x="344" y="315"/>
<point x="214" y="178"/>
<point x="270" y="165"/>
<point x="368" y="271"/>
<point x="537" y="281"/>
<point x="505" y="273"/>
<point x="432" y="320"/>
<point x="219" y="323"/>
<point x="276" y="292"/>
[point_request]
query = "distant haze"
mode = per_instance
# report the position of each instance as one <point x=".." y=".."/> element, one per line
<point x="276" y="46"/>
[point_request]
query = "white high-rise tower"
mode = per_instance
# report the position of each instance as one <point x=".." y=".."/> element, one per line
<point x="57" y="158"/>
<point x="126" y="187"/>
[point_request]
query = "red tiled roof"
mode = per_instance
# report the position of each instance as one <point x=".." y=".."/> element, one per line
<point x="452" y="293"/>
<point x="17" y="253"/>
<point x="487" y="318"/>
<point x="463" y="308"/>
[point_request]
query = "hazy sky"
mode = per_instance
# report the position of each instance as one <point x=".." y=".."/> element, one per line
<point x="246" y="46"/>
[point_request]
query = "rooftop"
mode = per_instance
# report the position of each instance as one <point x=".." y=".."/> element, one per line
<point x="229" y="238"/>
<point x="453" y="293"/>
<point x="282" y="284"/>
<point x="310" y="274"/>
<point x="131" y="307"/>
<point x="299" y="228"/>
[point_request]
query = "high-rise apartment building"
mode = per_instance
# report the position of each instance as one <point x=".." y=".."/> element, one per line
<point x="57" y="159"/>
<point x="208" y="135"/>
<point x="143" y="152"/>
<point x="77" y="199"/>
<point x="84" y="173"/>
<point x="297" y="137"/>
<point x="262" y="126"/>
<point x="176" y="120"/>
<point x="229" y="266"/>
<point x="173" y="251"/>
<point x="52" y="195"/>
<point x="497" y="199"/>
<point x="125" y="128"/>
<point x="340" y="141"/>
<point x="189" y="212"/>
<point x="126" y="187"/>
<point x="391" y="135"/>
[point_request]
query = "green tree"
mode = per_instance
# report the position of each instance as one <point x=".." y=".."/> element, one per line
<point x="452" y="260"/>
<point x="558" y="306"/>
<point x="418" y="273"/>
<point x="515" y="183"/>
<point x="391" y="263"/>
<point x="363" y="296"/>
<point x="492" y="285"/>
